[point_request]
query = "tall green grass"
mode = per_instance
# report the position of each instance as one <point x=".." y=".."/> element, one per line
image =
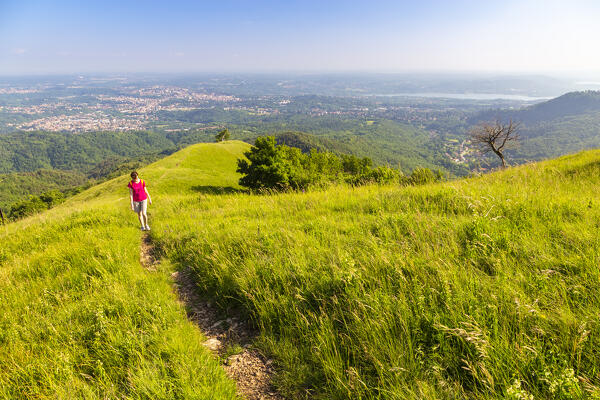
<point x="479" y="288"/>
<point x="81" y="318"/>
<point x="482" y="288"/>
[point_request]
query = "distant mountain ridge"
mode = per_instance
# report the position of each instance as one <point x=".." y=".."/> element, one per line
<point x="569" y="104"/>
<point x="563" y="125"/>
<point x="572" y="103"/>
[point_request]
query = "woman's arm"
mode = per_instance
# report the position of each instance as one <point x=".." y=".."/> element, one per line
<point x="131" y="197"/>
<point x="149" y="199"/>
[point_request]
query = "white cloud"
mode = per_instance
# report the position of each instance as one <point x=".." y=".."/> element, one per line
<point x="19" y="52"/>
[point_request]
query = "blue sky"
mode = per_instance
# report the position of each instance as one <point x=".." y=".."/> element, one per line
<point x="238" y="35"/>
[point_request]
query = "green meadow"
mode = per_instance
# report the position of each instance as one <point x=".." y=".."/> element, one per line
<point x="482" y="288"/>
<point x="81" y="319"/>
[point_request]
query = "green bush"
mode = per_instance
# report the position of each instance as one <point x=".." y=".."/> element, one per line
<point x="35" y="204"/>
<point x="379" y="175"/>
<point x="266" y="168"/>
<point x="280" y="167"/>
<point x="52" y="198"/>
<point x="222" y="135"/>
<point x="27" y="207"/>
<point x="422" y="176"/>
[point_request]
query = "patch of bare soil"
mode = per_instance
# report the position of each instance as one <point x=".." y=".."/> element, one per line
<point x="251" y="371"/>
<point x="225" y="334"/>
<point x="148" y="257"/>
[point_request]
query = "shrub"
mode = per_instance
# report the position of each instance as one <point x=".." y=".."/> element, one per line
<point x="222" y="135"/>
<point x="422" y="176"/>
<point x="379" y="175"/>
<point x="35" y="204"/>
<point x="265" y="167"/>
<point x="280" y="167"/>
<point x="27" y="207"/>
<point x="356" y="166"/>
<point x="52" y="198"/>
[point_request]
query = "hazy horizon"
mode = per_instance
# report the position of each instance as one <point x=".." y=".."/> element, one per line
<point x="236" y="36"/>
<point x="582" y="76"/>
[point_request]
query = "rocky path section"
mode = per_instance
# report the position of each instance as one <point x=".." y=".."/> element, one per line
<point x="225" y="335"/>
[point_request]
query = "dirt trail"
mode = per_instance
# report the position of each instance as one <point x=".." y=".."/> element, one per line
<point x="251" y="371"/>
<point x="148" y="257"/>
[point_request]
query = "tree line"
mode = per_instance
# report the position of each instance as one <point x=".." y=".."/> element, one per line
<point x="278" y="167"/>
<point x="35" y="204"/>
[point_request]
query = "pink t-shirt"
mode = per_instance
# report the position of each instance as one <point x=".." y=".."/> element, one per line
<point x="139" y="192"/>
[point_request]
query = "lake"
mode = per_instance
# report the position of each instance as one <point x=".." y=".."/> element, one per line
<point x="468" y="96"/>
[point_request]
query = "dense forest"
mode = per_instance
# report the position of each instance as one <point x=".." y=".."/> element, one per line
<point x="386" y="142"/>
<point x="29" y="151"/>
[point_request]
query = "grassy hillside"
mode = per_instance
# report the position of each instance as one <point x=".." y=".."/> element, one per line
<point x="481" y="288"/>
<point x="79" y="316"/>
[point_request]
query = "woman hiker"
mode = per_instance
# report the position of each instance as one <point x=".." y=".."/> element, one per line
<point x="139" y="197"/>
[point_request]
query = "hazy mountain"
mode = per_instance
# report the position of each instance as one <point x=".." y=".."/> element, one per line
<point x="563" y="125"/>
<point x="569" y="104"/>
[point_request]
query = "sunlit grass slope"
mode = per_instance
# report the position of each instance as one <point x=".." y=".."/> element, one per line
<point x="80" y="317"/>
<point x="478" y="288"/>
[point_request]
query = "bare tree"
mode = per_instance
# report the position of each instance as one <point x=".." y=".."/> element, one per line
<point x="495" y="137"/>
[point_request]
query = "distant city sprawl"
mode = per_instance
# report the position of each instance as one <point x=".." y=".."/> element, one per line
<point x="394" y="120"/>
<point x="63" y="108"/>
<point x="82" y="104"/>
